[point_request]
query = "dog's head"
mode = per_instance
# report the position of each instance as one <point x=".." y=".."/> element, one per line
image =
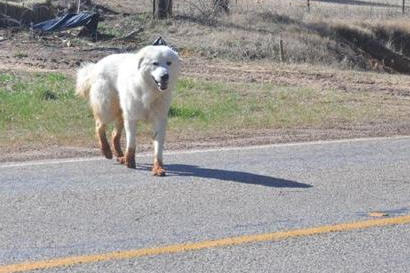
<point x="159" y="66"/>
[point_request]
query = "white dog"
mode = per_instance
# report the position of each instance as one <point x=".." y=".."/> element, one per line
<point x="126" y="88"/>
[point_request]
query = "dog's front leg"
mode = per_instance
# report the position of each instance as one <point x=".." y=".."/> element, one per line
<point x="130" y="134"/>
<point x="158" y="141"/>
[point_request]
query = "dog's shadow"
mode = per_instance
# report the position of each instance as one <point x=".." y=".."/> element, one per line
<point x="227" y="175"/>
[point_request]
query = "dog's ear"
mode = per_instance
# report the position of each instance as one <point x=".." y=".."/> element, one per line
<point x="140" y="60"/>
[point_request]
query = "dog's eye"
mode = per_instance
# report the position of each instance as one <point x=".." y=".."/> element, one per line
<point x="169" y="63"/>
<point x="155" y="63"/>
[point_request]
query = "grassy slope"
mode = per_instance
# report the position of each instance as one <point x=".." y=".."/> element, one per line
<point x="41" y="108"/>
<point x="253" y="30"/>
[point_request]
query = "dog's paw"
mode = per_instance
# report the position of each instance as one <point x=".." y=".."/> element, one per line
<point x="129" y="163"/>
<point x="107" y="153"/>
<point x="158" y="170"/>
<point x="121" y="159"/>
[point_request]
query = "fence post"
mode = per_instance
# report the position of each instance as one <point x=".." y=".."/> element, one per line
<point x="281" y="54"/>
<point x="161" y="9"/>
<point x="403" y="7"/>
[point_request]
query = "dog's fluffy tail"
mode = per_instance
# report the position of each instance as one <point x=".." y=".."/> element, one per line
<point x="84" y="79"/>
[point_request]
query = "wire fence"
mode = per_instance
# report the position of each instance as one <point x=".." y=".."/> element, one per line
<point x="23" y="11"/>
<point x="396" y="5"/>
<point x="321" y="8"/>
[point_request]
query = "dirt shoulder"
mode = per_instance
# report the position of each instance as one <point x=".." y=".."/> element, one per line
<point x="242" y="139"/>
<point x="51" y="54"/>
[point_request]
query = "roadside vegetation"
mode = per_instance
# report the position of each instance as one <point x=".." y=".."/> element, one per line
<point x="343" y="68"/>
<point x="360" y="35"/>
<point x="41" y="109"/>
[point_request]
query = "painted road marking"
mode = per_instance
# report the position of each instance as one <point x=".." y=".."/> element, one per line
<point x="141" y="155"/>
<point x="178" y="248"/>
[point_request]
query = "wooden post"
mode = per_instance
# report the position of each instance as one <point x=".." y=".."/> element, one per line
<point x="308" y="5"/>
<point x="170" y="4"/>
<point x="281" y="54"/>
<point x="403" y="7"/>
<point x="162" y="9"/>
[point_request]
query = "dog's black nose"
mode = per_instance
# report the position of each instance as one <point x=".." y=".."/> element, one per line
<point x="165" y="77"/>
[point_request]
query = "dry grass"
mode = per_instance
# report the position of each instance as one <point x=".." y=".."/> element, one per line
<point x="253" y="29"/>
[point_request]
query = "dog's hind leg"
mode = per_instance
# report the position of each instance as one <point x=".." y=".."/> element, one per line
<point x="104" y="145"/>
<point x="103" y="101"/>
<point x="116" y="136"/>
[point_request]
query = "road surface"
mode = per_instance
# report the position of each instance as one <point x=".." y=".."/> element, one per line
<point x="93" y="215"/>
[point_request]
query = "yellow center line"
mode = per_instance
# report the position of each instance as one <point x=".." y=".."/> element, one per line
<point x="177" y="248"/>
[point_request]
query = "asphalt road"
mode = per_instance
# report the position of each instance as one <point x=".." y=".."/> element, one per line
<point x="80" y="207"/>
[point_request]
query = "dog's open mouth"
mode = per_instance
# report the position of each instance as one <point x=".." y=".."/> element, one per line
<point x="162" y="85"/>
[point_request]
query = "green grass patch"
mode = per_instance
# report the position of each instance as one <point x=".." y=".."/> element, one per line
<point x="21" y="55"/>
<point x="184" y="112"/>
<point x="42" y="107"/>
<point x="215" y="105"/>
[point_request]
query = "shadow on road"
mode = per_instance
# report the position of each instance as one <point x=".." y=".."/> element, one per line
<point x="226" y="175"/>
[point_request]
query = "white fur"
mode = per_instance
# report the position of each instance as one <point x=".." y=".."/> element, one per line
<point x="129" y="86"/>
